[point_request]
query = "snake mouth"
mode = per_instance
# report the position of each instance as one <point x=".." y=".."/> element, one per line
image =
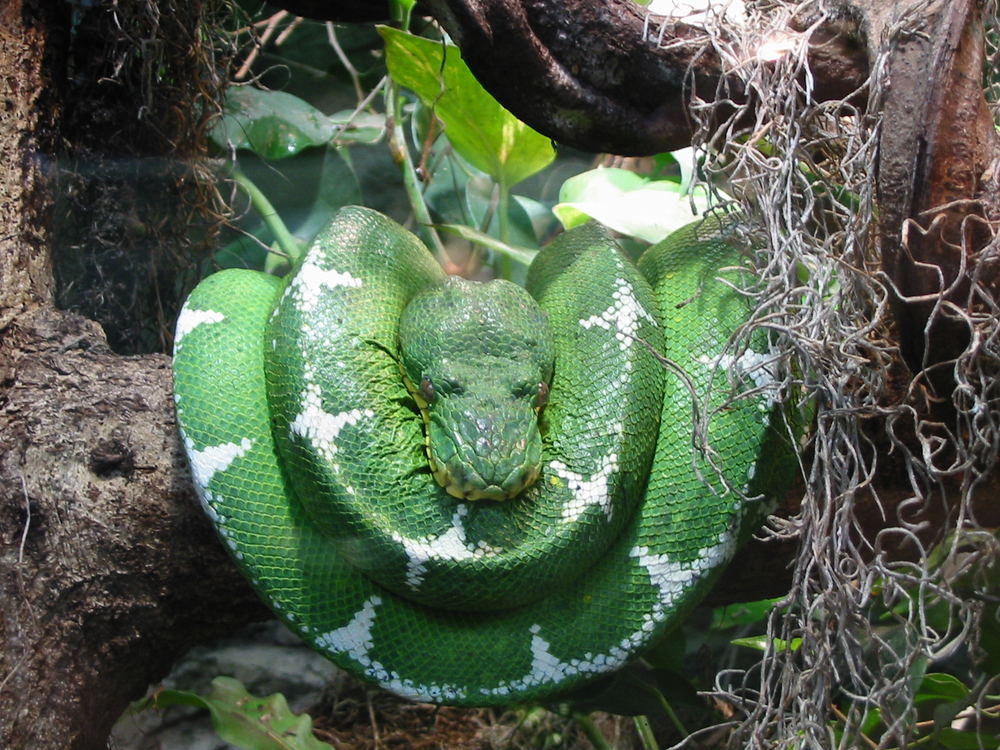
<point x="476" y="456"/>
<point x="463" y="482"/>
<point x="473" y="457"/>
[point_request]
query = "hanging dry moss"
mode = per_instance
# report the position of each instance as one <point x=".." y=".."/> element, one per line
<point x="886" y="443"/>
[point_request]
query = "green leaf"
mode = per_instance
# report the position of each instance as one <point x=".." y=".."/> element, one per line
<point x="873" y="717"/>
<point x="482" y="131"/>
<point x="759" y="643"/>
<point x="358" y="127"/>
<point x="668" y="652"/>
<point x="940" y="687"/>
<point x="272" y="124"/>
<point x="628" y="203"/>
<point x="956" y="739"/>
<point x="338" y="187"/>
<point x="243" y="720"/>
<point x="745" y="613"/>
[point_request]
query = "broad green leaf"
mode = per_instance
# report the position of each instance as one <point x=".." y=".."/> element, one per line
<point x="458" y="193"/>
<point x="956" y="739"/>
<point x="745" y="613"/>
<point x="872" y="719"/>
<point x="628" y="203"/>
<point x="243" y="720"/>
<point x="482" y="131"/>
<point x="938" y="686"/>
<point x="272" y="124"/>
<point x="668" y="652"/>
<point x="480" y="201"/>
<point x="338" y="187"/>
<point x="358" y="127"/>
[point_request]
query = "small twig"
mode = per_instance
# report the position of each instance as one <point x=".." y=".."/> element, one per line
<point x="331" y="35"/>
<point x="265" y="36"/>
<point x="835" y="710"/>
<point x="27" y="521"/>
<point x="287" y="32"/>
<point x="371" y="716"/>
<point x="13" y="670"/>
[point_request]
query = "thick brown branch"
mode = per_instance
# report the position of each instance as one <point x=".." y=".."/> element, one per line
<point x="109" y="571"/>
<point x="589" y="74"/>
<point x="937" y="144"/>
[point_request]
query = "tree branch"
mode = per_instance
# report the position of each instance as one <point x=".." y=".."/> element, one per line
<point x="109" y="570"/>
<point x="587" y="73"/>
<point x="936" y="183"/>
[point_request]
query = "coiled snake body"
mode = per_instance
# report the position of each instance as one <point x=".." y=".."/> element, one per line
<point x="298" y="409"/>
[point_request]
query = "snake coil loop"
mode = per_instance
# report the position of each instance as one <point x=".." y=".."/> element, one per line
<point x="311" y="459"/>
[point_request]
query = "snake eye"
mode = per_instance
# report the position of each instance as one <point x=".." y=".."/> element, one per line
<point x="427" y="390"/>
<point x="542" y="395"/>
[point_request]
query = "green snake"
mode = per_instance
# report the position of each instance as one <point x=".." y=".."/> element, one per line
<point x="467" y="493"/>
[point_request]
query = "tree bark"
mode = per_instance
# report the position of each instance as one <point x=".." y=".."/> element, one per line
<point x="937" y="185"/>
<point x="109" y="570"/>
<point x="599" y="78"/>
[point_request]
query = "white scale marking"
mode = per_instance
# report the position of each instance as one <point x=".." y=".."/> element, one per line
<point x="208" y="461"/>
<point x="750" y="364"/>
<point x="190" y="319"/>
<point x="587" y="491"/>
<point x="322" y="428"/>
<point x="624" y="314"/>
<point x="311" y="279"/>
<point x="355" y="638"/>
<point x="451" y="545"/>
<point x="356" y="641"/>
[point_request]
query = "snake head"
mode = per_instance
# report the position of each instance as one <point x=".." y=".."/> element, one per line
<point x="477" y="358"/>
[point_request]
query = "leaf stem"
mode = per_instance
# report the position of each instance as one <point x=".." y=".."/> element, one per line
<point x="505" y="267"/>
<point x="598" y="740"/>
<point x="291" y="248"/>
<point x="411" y="184"/>
<point x="401" y="10"/>
<point x="645" y="730"/>
<point x="669" y="711"/>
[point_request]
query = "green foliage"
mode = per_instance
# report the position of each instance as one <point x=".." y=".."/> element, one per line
<point x="629" y="203"/>
<point x="271" y="124"/>
<point x="243" y="720"/>
<point x="480" y="129"/>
